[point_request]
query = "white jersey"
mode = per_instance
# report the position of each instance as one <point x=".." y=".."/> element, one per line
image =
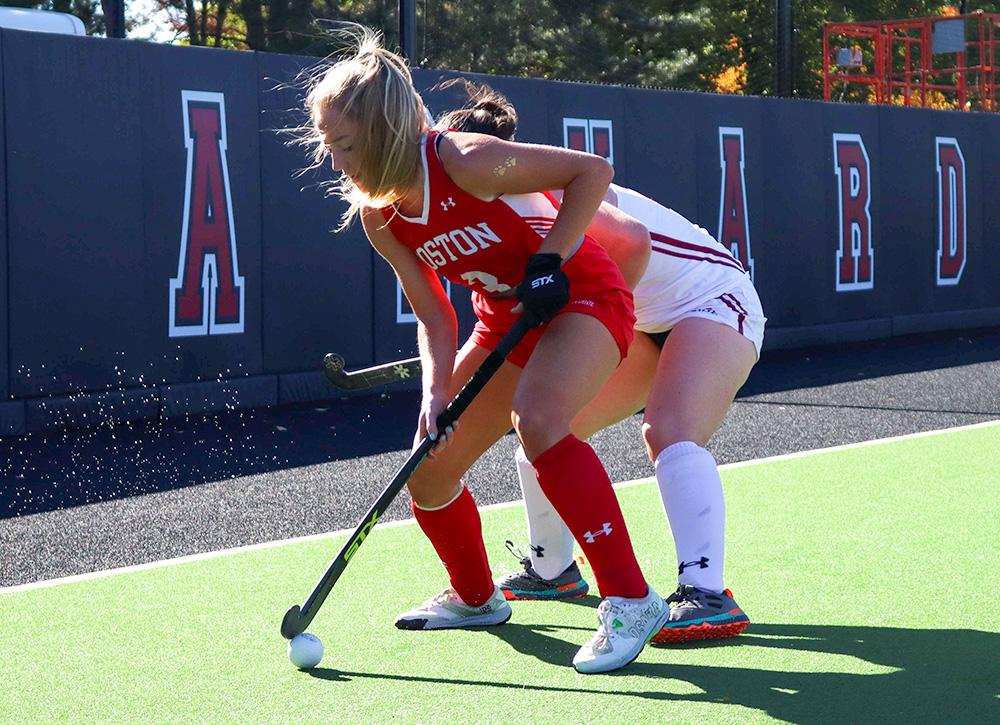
<point x="687" y="267"/>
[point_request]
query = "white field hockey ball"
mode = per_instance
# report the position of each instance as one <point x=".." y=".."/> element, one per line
<point x="305" y="651"/>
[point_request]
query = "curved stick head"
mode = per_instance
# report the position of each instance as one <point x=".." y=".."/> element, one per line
<point x="333" y="362"/>
<point x="293" y="624"/>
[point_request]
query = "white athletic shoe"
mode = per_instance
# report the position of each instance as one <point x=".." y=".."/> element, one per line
<point x="447" y="611"/>
<point x="625" y="627"/>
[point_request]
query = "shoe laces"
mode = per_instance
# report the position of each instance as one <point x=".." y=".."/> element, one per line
<point x="684" y="593"/>
<point x="448" y="595"/>
<point x="688" y="595"/>
<point x="518" y="554"/>
<point x="607" y="615"/>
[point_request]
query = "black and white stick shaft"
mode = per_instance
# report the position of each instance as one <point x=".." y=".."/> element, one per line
<point x="297" y="619"/>
<point x="333" y="366"/>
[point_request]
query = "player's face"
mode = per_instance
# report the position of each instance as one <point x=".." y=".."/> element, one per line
<point x="339" y="133"/>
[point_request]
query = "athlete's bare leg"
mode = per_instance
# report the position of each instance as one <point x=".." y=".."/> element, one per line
<point x="483" y="423"/>
<point x="572" y="361"/>
<point x="626" y="391"/>
<point x="702" y="366"/>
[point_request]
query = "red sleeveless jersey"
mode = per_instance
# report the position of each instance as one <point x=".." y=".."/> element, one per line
<point x="485" y="245"/>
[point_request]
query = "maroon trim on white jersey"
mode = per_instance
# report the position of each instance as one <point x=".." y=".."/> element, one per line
<point x="713" y="256"/>
<point x="734" y="304"/>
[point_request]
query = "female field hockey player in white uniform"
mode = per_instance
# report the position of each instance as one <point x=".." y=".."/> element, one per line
<point x="701" y="327"/>
<point x="471" y="208"/>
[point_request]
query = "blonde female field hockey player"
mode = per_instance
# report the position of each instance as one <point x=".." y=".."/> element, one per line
<point x="469" y="207"/>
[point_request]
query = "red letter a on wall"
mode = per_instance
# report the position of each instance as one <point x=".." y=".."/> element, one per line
<point x="734" y="223"/>
<point x="206" y="296"/>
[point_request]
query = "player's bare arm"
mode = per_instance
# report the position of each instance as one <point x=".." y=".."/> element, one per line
<point x="437" y="333"/>
<point x="625" y="238"/>
<point x="474" y="162"/>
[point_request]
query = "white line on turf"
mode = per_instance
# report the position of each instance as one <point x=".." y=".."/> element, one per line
<point x="343" y="532"/>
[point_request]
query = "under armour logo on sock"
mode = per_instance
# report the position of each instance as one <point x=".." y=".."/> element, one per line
<point x="446" y="204"/>
<point x="591" y="537"/>
<point x="539" y="551"/>
<point x="701" y="563"/>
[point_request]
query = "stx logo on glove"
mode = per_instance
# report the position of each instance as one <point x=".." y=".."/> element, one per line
<point x="541" y="281"/>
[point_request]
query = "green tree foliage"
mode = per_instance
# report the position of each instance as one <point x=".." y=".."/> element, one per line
<point x="719" y="45"/>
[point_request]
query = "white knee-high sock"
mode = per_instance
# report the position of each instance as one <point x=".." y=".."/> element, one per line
<point x="691" y="490"/>
<point x="550" y="539"/>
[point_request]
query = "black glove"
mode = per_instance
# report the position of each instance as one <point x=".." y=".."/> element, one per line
<point x="544" y="289"/>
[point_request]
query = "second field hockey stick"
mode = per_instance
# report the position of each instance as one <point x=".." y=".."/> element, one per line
<point x="333" y="367"/>
<point x="298" y="618"/>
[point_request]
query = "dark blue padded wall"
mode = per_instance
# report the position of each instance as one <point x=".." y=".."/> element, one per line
<point x="986" y="126"/>
<point x="4" y="298"/>
<point x="77" y="264"/>
<point x="317" y="283"/>
<point x="658" y="136"/>
<point x="793" y="256"/>
<point x="201" y="207"/>
<point x="156" y="233"/>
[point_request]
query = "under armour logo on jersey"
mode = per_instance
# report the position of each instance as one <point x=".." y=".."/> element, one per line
<point x="701" y="563"/>
<point x="541" y="281"/>
<point x="446" y="204"/>
<point x="592" y="537"/>
<point x="539" y="550"/>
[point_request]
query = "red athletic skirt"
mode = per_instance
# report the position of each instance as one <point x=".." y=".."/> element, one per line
<point x="596" y="288"/>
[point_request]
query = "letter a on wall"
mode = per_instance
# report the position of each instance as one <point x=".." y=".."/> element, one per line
<point x="734" y="222"/>
<point x="855" y="254"/>
<point x="951" y="210"/>
<point x="206" y="296"/>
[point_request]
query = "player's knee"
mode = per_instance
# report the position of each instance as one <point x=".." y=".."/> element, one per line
<point x="538" y="427"/>
<point x="429" y="491"/>
<point x="661" y="434"/>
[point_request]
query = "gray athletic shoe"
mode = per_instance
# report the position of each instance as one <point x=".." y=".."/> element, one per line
<point x="528" y="584"/>
<point x="700" y="614"/>
<point x="447" y="611"/>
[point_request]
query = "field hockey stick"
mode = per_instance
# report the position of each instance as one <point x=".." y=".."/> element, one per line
<point x="297" y="619"/>
<point x="333" y="367"/>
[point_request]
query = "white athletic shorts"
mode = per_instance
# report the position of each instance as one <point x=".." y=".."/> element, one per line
<point x="736" y="305"/>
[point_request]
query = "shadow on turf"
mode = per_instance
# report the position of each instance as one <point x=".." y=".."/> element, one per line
<point x="941" y="675"/>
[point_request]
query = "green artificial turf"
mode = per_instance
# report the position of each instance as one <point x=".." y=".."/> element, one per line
<point x="870" y="576"/>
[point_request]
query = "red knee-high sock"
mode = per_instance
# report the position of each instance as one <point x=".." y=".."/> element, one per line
<point x="457" y="535"/>
<point x="575" y="482"/>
